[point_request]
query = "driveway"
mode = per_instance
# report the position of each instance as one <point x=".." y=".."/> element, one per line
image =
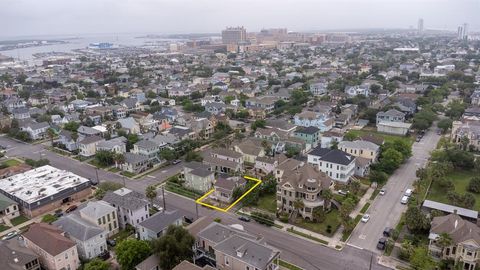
<point x="386" y="210"/>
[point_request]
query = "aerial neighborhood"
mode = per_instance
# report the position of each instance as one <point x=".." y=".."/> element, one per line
<point x="244" y="151"/>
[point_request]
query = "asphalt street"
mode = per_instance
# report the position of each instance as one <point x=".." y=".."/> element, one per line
<point x="385" y="211"/>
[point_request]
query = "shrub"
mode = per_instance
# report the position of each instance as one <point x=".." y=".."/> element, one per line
<point x="474" y="185"/>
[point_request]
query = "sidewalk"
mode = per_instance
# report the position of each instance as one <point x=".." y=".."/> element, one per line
<point x="392" y="262"/>
<point x="362" y="202"/>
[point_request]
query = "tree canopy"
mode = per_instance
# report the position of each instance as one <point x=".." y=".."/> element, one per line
<point x="173" y="247"/>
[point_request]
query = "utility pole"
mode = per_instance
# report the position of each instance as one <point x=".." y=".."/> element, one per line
<point x="124" y="182"/>
<point x="196" y="209"/>
<point x="96" y="172"/>
<point x="163" y="198"/>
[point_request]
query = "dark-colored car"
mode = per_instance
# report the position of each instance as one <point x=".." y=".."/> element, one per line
<point x="382" y="243"/>
<point x="105" y="255"/>
<point x="244" y="218"/>
<point x="188" y="220"/>
<point x="93" y="181"/>
<point x="387" y="232"/>
<point x="71" y="208"/>
<point x="58" y="214"/>
<point x="111" y="242"/>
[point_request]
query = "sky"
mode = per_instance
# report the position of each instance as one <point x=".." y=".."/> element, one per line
<point x="74" y="17"/>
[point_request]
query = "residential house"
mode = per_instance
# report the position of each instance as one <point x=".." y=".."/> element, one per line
<point x="322" y="120"/>
<point x="265" y="165"/>
<point x="129" y="125"/>
<point x="331" y="137"/>
<point x="475" y="97"/>
<point x="285" y="165"/>
<point x="132" y="207"/>
<point x="115" y="145"/>
<point x="267" y="104"/>
<point x="149" y="149"/>
<point x="65" y="139"/>
<point x="337" y="164"/>
<point x="88" y="146"/>
<point x="465" y="240"/>
<point x="135" y="163"/>
<point x="21" y="113"/>
<point x="360" y="148"/>
<point x="36" y="131"/>
<point x="318" y="88"/>
<point x="306" y="184"/>
<point x="392" y="122"/>
<point x="91" y="239"/>
<point x="310" y="135"/>
<point x="250" y="150"/>
<point x="202" y="127"/>
<point x="466" y="132"/>
<point x="225" y="186"/>
<point x="156" y="225"/>
<point x="391" y="115"/>
<point x="197" y="176"/>
<point x="223" y="160"/>
<point x="14" y="255"/>
<point x="102" y="214"/>
<point x="356" y="90"/>
<point x="88" y="131"/>
<point x="215" y="107"/>
<point x="8" y="208"/>
<point x="55" y="250"/>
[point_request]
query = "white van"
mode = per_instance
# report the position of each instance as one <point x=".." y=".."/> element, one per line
<point x="408" y="192"/>
<point x="404" y="200"/>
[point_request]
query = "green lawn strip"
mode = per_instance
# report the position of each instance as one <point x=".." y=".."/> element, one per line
<point x="98" y="165"/>
<point x="11" y="163"/>
<point x="460" y="180"/>
<point x="307" y="236"/>
<point x="3" y="228"/>
<point x="176" y="188"/>
<point x="331" y="218"/>
<point x="114" y="170"/>
<point x="374" y="194"/>
<point x="400" y="223"/>
<point x="128" y="174"/>
<point x="386" y="137"/>
<point x="365" y="208"/>
<point x="288" y="265"/>
<point x="19" y="220"/>
<point x="345" y="235"/>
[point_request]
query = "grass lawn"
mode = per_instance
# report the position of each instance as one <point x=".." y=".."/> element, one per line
<point x="114" y="170"/>
<point x="307" y="236"/>
<point x="332" y="219"/>
<point x="19" y="220"/>
<point x="288" y="265"/>
<point x="386" y="137"/>
<point x="3" y="228"/>
<point x="460" y="179"/>
<point x="122" y="235"/>
<point x="95" y="163"/>
<point x="268" y="203"/>
<point x="127" y="174"/>
<point x="11" y="162"/>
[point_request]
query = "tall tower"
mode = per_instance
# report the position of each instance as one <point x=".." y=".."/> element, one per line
<point x="420" y="25"/>
<point x="234" y="35"/>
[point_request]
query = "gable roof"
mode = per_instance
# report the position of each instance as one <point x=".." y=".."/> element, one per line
<point x="49" y="238"/>
<point x="332" y="155"/>
<point x="78" y="228"/>
<point x="126" y="198"/>
<point x="161" y="220"/>
<point x="459" y="230"/>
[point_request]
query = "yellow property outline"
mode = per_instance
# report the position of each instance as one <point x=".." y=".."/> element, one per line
<point x="199" y="200"/>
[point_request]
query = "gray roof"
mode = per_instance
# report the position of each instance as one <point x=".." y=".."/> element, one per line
<point x="78" y="228"/>
<point x="217" y="232"/>
<point x="88" y="130"/>
<point x="247" y="251"/>
<point x="112" y="143"/>
<point x="149" y="263"/>
<point x="332" y="155"/>
<point x="392" y="112"/>
<point x="14" y="255"/>
<point x="97" y="209"/>
<point x="146" y="144"/>
<point x="91" y="139"/>
<point x="359" y="144"/>
<point x="450" y="209"/>
<point x="5" y="202"/>
<point x="126" y="198"/>
<point x="161" y="220"/>
<point x="135" y="158"/>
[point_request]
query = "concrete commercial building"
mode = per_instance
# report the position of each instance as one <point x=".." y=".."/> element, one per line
<point x="234" y="35"/>
<point x="44" y="189"/>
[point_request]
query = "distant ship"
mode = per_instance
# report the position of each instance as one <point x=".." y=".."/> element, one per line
<point x="102" y="46"/>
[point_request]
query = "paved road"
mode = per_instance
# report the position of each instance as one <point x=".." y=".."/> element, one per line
<point x="20" y="149"/>
<point x="306" y="254"/>
<point x="386" y="210"/>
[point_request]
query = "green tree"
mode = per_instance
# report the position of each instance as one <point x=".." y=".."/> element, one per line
<point x="416" y="220"/>
<point x="354" y="187"/>
<point x="71" y="126"/>
<point x="193" y="156"/>
<point x="318" y="214"/>
<point x="444" y="240"/>
<point x="173" y="247"/>
<point x="474" y="185"/>
<point x="444" y="124"/>
<point x="51" y="135"/>
<point x="327" y="196"/>
<point x="104" y="157"/>
<point x="151" y="193"/>
<point x="455" y="109"/>
<point x="97" y="264"/>
<point x="421" y="260"/>
<point x="346" y="208"/>
<point x="131" y="252"/>
<point x="391" y="159"/>
<point x="258" y="124"/>
<point x="168" y="154"/>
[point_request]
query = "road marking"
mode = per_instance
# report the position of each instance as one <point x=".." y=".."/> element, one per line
<point x="362" y="236"/>
<point x="164" y="171"/>
<point x="151" y="176"/>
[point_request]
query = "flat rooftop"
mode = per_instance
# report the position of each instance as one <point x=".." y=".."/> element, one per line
<point x="36" y="184"/>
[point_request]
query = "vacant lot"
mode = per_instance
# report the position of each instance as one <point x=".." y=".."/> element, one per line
<point x="460" y="179"/>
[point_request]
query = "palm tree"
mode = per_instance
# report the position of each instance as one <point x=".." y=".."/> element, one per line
<point x="327" y="197"/>
<point x="297" y="205"/>
<point x="444" y="240"/>
<point x="151" y="193"/>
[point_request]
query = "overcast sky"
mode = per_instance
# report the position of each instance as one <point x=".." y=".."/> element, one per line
<point x="72" y="17"/>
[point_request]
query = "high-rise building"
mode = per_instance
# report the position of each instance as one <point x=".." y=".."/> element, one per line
<point x="234" y="35"/>
<point x="420" y="25"/>
<point x="462" y="32"/>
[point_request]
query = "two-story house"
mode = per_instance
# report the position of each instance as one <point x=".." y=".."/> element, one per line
<point x="322" y="120"/>
<point x="250" y="150"/>
<point x="223" y="160"/>
<point x="337" y="164"/>
<point x="88" y="146"/>
<point x="197" y="176"/>
<point x="36" y="131"/>
<point x="149" y="149"/>
<point x="464" y="248"/>
<point x="90" y="238"/>
<point x="116" y="145"/>
<point x="360" y="148"/>
<point x="14" y="255"/>
<point x="102" y="214"/>
<point x="310" y="135"/>
<point x="8" y="208"/>
<point x="392" y="122"/>
<point x="132" y="207"/>
<point x="55" y="250"/>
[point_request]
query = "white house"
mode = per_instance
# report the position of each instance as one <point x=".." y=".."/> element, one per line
<point x="337" y="164"/>
<point x="132" y="207"/>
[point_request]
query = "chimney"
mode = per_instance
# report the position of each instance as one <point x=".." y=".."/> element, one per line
<point x="455" y="211"/>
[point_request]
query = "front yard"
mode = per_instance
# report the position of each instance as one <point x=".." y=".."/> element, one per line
<point x="268" y="202"/>
<point x="11" y="163"/>
<point x="460" y="180"/>
<point x="18" y="220"/>
<point x="328" y="227"/>
<point x="386" y="137"/>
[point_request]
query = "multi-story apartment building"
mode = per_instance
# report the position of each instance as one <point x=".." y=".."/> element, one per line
<point x="234" y="35"/>
<point x="337" y="164"/>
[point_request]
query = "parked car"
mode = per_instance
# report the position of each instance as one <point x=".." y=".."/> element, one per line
<point x="176" y="161"/>
<point x="111" y="242"/>
<point x="105" y="255"/>
<point x="404" y="200"/>
<point x="382" y="191"/>
<point x="244" y="218"/>
<point x="408" y="192"/>
<point x="382" y="243"/>
<point x="93" y="181"/>
<point x="10" y="235"/>
<point x="188" y="220"/>
<point x="387" y="232"/>
<point x="365" y="218"/>
<point x="58" y="214"/>
<point x="71" y="208"/>
<point x="342" y="192"/>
